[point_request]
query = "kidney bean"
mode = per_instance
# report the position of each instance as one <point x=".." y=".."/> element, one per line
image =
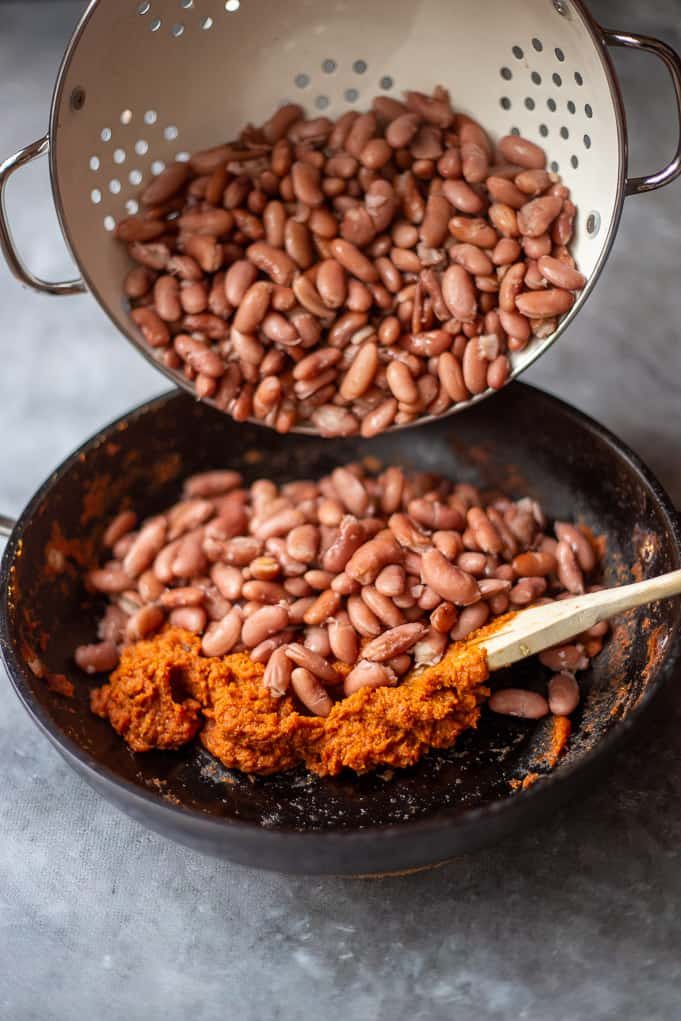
<point x="323" y="607"/>
<point x="443" y="617"/>
<point x="331" y="283"/>
<point x="449" y="543"/>
<point x="139" y="282"/>
<point x="351" y="259"/>
<point x="564" y="658"/>
<point x="277" y="676"/>
<point x="564" y="694"/>
<point x="472" y="258"/>
<point x="221" y="636"/>
<point x="362" y="129"/>
<point x="302" y="543"/>
<point x="152" y="327"/>
<point x="528" y="705"/>
<point x="408" y="533"/>
<point x="97" y="658"/>
<point x="188" y="596"/>
<point x="498" y="372"/>
<point x="450" y="582"/>
<point x="451" y="376"/>
<point x="306" y="686"/>
<point x="238" y="279"/>
<point x="262" y="624"/>
<point x="538" y="304"/>
<point x="434" y="226"/>
<point x="435" y="515"/>
<point x="474" y="368"/>
<point x="318" y="580"/>
<point x="579" y="544"/>
<point x="382" y="606"/>
<point x="147" y="544"/>
<point x="460" y="195"/>
<point x="535" y="565"/>
<point x="527" y="590"/>
<point x="313" y="662"/>
<point x="400" y="132"/>
<point x="504" y="191"/>
<point x="332" y="421"/>
<point x="379" y="419"/>
<point x="391" y="580"/>
<point x="569" y="572"/>
<point x="536" y="216"/>
<point x="532" y="182"/>
<point x="192" y="619"/>
<point x="393" y="642"/>
<point x="368" y="675"/>
<point x="362" y="618"/>
<point x="560" y="273"/>
<point x="486" y="535"/>
<point x="343" y="639"/>
<point x="119" y="526"/>
<point x="187" y="559"/>
<point x="523" y="152"/>
<point x="459" y="293"/>
<point x="359" y="377"/>
<point x="137" y="229"/>
<point x="401" y="382"/>
<point x="429" y="650"/>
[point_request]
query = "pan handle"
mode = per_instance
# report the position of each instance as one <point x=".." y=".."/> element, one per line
<point x="671" y="60"/>
<point x="14" y="261"/>
<point x="6" y="526"/>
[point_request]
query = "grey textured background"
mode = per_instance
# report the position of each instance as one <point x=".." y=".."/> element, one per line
<point x="101" y="919"/>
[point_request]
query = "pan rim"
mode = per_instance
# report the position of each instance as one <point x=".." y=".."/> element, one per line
<point x="369" y="834"/>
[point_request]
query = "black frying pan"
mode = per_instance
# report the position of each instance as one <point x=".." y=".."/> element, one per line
<point x="523" y="442"/>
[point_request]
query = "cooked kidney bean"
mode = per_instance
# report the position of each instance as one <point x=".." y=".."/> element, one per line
<point x="300" y="575"/>
<point x="97" y="658"/>
<point x="564" y="694"/>
<point x="529" y="705"/>
<point x="368" y="675"/>
<point x="470" y="619"/>
<point x="311" y="693"/>
<point x="569" y="571"/>
<point x="392" y="235"/>
<point x="579" y="544"/>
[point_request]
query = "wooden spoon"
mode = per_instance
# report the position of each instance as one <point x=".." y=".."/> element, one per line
<point x="540" y="627"/>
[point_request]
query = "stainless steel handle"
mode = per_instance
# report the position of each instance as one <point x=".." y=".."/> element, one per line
<point x="6" y="526"/>
<point x="671" y="60"/>
<point x="16" y="266"/>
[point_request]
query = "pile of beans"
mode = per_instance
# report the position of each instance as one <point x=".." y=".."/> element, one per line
<point x="379" y="572"/>
<point x="351" y="275"/>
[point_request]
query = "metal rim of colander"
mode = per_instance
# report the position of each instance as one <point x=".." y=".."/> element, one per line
<point x="599" y="39"/>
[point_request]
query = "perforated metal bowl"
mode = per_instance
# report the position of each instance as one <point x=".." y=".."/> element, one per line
<point x="144" y="83"/>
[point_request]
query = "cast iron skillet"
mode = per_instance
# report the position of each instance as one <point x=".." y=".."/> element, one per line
<point x="524" y="442"/>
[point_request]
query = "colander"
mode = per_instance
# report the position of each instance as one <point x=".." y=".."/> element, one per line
<point x="145" y="83"/>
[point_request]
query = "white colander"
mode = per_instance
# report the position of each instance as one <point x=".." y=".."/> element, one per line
<point x="144" y="83"/>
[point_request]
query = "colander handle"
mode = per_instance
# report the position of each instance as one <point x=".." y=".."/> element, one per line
<point x="671" y="60"/>
<point x="14" y="261"/>
<point x="6" y="526"/>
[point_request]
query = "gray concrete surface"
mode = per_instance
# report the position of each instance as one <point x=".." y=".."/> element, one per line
<point x="101" y="919"/>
